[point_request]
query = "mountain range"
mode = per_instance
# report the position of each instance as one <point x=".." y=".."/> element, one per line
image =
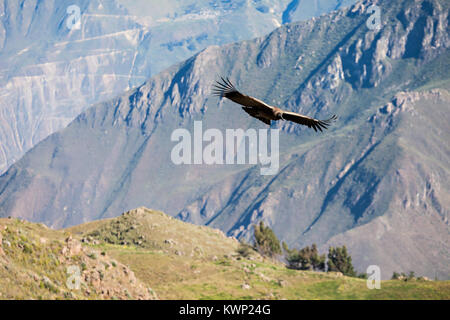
<point x="56" y="62"/>
<point x="376" y="181"/>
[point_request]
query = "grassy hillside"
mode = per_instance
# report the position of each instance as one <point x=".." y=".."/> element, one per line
<point x="145" y="249"/>
<point x="35" y="263"/>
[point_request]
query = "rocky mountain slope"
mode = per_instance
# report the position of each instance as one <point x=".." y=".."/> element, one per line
<point x="377" y="181"/>
<point x="40" y="263"/>
<point x="50" y="73"/>
<point x="122" y="258"/>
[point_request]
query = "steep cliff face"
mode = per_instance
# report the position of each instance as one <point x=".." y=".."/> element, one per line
<point x="412" y="194"/>
<point x="386" y="152"/>
<point x="50" y="73"/>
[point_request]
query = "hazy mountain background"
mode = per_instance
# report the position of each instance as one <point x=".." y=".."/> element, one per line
<point x="377" y="181"/>
<point x="50" y="73"/>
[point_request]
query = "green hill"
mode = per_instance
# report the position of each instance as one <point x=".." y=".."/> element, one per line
<point x="147" y="254"/>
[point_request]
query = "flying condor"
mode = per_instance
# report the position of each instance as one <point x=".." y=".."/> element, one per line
<point x="262" y="111"/>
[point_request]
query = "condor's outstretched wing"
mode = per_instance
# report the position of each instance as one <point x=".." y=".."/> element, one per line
<point x="307" y="121"/>
<point x="251" y="111"/>
<point x="227" y="90"/>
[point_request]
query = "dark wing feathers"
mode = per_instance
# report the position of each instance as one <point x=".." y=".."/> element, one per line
<point x="226" y="89"/>
<point x="251" y="111"/>
<point x="307" y="121"/>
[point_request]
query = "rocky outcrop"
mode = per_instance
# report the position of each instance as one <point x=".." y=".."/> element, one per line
<point x="72" y="247"/>
<point x="63" y="268"/>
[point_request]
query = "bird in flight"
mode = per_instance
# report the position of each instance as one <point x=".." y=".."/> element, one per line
<point x="262" y="111"/>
